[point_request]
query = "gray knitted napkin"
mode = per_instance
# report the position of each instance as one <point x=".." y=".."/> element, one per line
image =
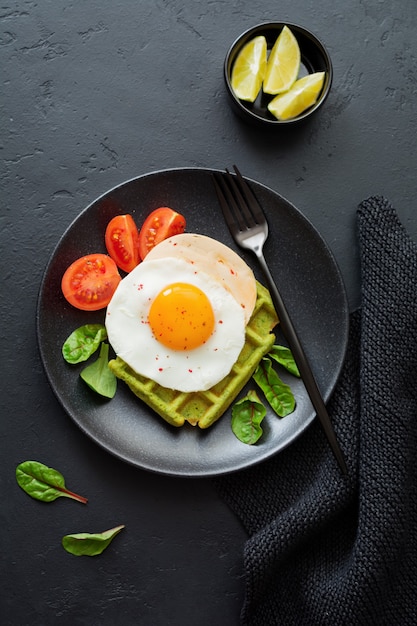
<point x="324" y="549"/>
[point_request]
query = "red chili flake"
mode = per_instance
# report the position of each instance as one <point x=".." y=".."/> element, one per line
<point x="191" y="371"/>
<point x="232" y="271"/>
<point x="220" y="321"/>
<point x="140" y="286"/>
<point x="160" y="369"/>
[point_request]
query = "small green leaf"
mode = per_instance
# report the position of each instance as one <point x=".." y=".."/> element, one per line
<point x="87" y="544"/>
<point x="278" y="394"/>
<point x="247" y="415"/>
<point x="43" y="483"/>
<point x="83" y="342"/>
<point x="98" y="376"/>
<point x="284" y="357"/>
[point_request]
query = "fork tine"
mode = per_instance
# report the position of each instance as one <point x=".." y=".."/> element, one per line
<point x="240" y="207"/>
<point x="228" y="204"/>
<point x="250" y="198"/>
<point x="241" y="201"/>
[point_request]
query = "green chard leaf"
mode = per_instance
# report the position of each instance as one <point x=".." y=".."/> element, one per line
<point x="247" y="415"/>
<point x="278" y="394"/>
<point x="83" y="342"/>
<point x="87" y="544"/>
<point x="43" y="483"/>
<point x="284" y="357"/>
<point x="98" y="376"/>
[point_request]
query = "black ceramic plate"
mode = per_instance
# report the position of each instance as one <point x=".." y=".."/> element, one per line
<point x="305" y="272"/>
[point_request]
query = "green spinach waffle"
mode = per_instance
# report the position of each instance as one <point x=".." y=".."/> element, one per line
<point x="203" y="408"/>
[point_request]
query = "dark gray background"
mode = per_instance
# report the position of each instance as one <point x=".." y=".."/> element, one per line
<point x="94" y="93"/>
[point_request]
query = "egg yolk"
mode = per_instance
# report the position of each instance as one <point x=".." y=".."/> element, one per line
<point x="181" y="317"/>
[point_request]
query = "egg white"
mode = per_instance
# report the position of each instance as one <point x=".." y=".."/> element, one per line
<point x="131" y="337"/>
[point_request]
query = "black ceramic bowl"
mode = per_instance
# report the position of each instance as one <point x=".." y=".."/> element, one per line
<point x="314" y="58"/>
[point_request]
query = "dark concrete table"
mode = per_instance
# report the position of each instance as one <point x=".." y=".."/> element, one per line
<point x="95" y="93"/>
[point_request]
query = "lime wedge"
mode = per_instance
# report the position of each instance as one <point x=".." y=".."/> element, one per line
<point x="303" y="94"/>
<point x="249" y="69"/>
<point x="283" y="63"/>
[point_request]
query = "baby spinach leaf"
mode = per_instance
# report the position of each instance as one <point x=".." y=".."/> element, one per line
<point x="278" y="394"/>
<point x="43" y="483"/>
<point x="87" y="544"/>
<point x="247" y="415"/>
<point x="284" y="357"/>
<point x="98" y="376"/>
<point x="83" y="342"/>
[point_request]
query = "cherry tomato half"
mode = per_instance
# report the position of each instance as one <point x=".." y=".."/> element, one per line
<point x="122" y="242"/>
<point x="159" y="225"/>
<point x="90" y="282"/>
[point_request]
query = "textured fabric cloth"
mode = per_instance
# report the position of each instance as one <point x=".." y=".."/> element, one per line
<point x="325" y="549"/>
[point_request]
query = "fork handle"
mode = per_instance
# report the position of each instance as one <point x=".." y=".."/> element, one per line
<point x="301" y="360"/>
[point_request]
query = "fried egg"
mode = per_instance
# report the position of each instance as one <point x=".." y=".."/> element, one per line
<point x="213" y="258"/>
<point x="176" y="324"/>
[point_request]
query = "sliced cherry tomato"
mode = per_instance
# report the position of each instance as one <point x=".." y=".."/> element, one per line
<point x="90" y="282"/>
<point x="159" y="225"/>
<point x="122" y="242"/>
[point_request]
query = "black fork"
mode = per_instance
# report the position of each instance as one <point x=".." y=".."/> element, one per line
<point x="248" y="226"/>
